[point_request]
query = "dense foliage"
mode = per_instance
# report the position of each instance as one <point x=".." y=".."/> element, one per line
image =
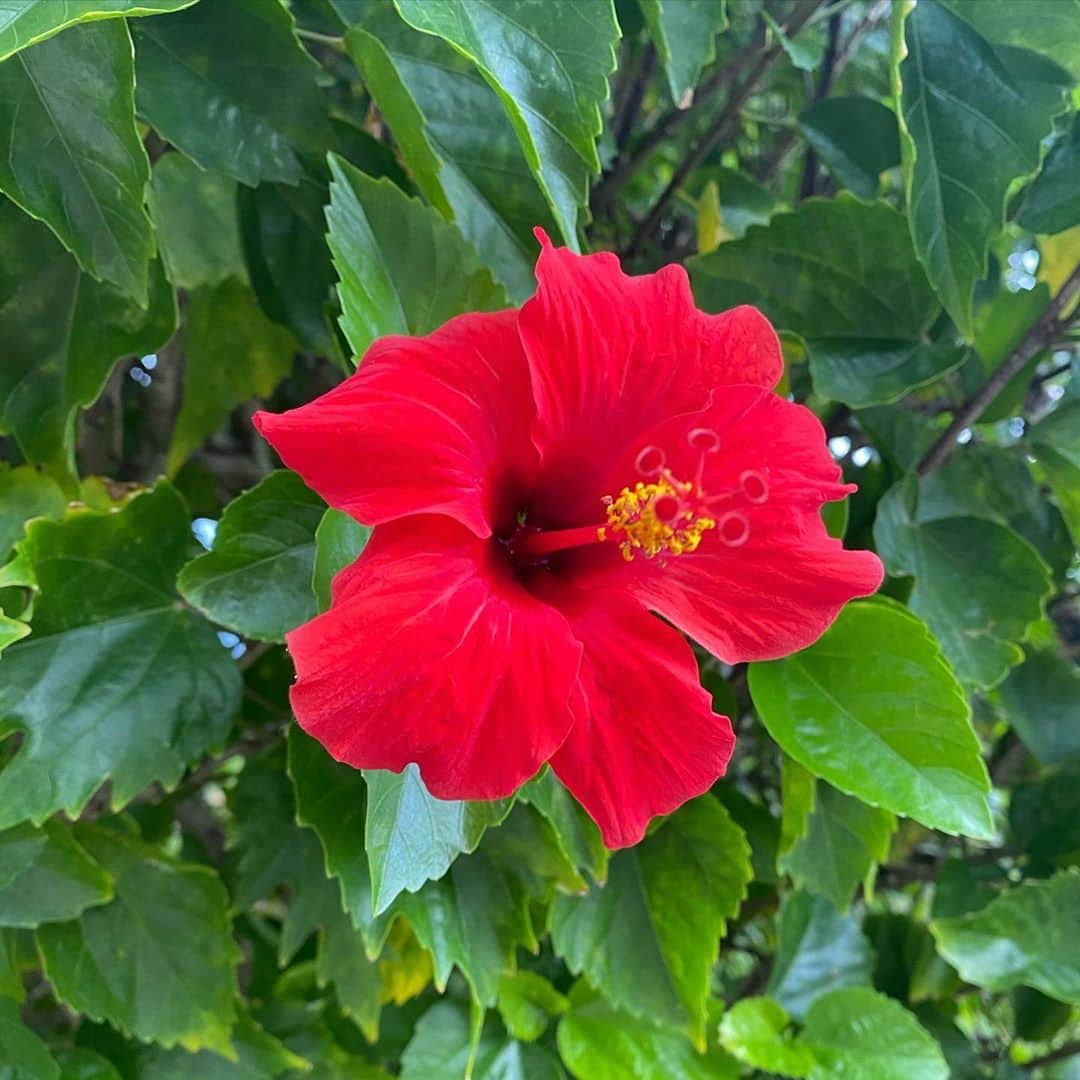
<point x="217" y="205"/>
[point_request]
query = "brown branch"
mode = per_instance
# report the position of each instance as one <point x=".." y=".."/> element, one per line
<point x="724" y="125"/>
<point x="1068" y="1050"/>
<point x="1043" y="331"/>
<point x="824" y="85"/>
<point x="622" y="122"/>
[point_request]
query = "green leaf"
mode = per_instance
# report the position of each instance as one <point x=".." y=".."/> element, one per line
<point x="1027" y="936"/>
<point x="255" y="1056"/>
<point x="74" y="158"/>
<point x="339" y="540"/>
<point x="797" y="791"/>
<point x="1052" y="204"/>
<point x="598" y="1042"/>
<point x="742" y="202"/>
<point x="159" y="961"/>
<point x="527" y="1002"/>
<point x="23" y="1055"/>
<point x="1040" y="699"/>
<point x="252" y="120"/>
<point x="836" y="268"/>
<point x="996" y="484"/>
<point x="284" y="235"/>
<point x="819" y="949"/>
<point x="25" y="493"/>
<point x="967" y="131"/>
<point x="27" y="22"/>
<point x="11" y="985"/>
<point x="63" y="333"/>
<point x="856" y="137"/>
<point x="117" y="681"/>
<point x="684" y="33"/>
<point x="862" y="1035"/>
<point x="838" y="716"/>
<point x="55" y="879"/>
<point x="412" y="837"/>
<point x="233" y="352"/>
<point x="575" y="832"/>
<point x="441" y="1049"/>
<point x="861" y="373"/>
<point x="647" y="939"/>
<point x="1047" y="26"/>
<point x="195" y="215"/>
<point x="978" y="584"/>
<point x="81" y="1063"/>
<point x="1056" y="443"/>
<point x="256" y="579"/>
<point x="550" y="65"/>
<point x="1044" y="815"/>
<point x="454" y="134"/>
<point x="844" y="839"/>
<point x="402" y="269"/>
<point x="755" y="1030"/>
<point x="11" y="630"/>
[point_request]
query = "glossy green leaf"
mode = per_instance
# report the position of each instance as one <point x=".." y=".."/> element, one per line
<point x="284" y="236"/>
<point x="159" y="961"/>
<point x="232" y="352"/>
<point x="194" y="212"/>
<point x="1052" y="204"/>
<point x="862" y="1035"/>
<point x="857" y="138"/>
<point x="53" y="877"/>
<point x="576" y="832"/>
<point x="755" y="1030"/>
<point x="63" y="332"/>
<point x="527" y="1002"/>
<point x="1039" y="698"/>
<point x="798" y="789"/>
<point x="1027" y="936"/>
<point x="339" y="540"/>
<point x="1051" y="27"/>
<point x="844" y="839"/>
<point x="11" y="630"/>
<point x="978" y="584"/>
<point x="23" y="1056"/>
<point x="401" y="268"/>
<point x="741" y="202"/>
<point x="647" y="938"/>
<point x="256" y="579"/>
<point x="254" y="120"/>
<point x="1056" y="443"/>
<point x="80" y="1063"/>
<point x="73" y="157"/>
<point x="25" y="493"/>
<point x="107" y="618"/>
<point x="598" y="1042"/>
<point x="994" y="483"/>
<point x="819" y="949"/>
<point x="412" y="837"/>
<point x="26" y="22"/>
<point x="550" y="65"/>
<point x="861" y="373"/>
<point x="440" y="1049"/>
<point x="967" y="131"/>
<point x="835" y="268"/>
<point x="457" y="140"/>
<point x="1044" y="815"/>
<point x="838" y="717"/>
<point x="684" y="33"/>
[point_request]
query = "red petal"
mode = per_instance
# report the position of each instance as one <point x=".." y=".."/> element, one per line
<point x="438" y="424"/>
<point x="778" y="591"/>
<point x="646" y="739"/>
<point x="611" y="355"/>
<point x="433" y="653"/>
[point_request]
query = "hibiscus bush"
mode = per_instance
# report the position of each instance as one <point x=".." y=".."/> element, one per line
<point x="538" y="538"/>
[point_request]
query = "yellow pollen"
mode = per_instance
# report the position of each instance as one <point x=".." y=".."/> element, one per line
<point x="632" y="519"/>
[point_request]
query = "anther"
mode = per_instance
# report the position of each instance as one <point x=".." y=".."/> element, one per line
<point x="734" y="529"/>
<point x="754" y="486"/>
<point x="650" y="461"/>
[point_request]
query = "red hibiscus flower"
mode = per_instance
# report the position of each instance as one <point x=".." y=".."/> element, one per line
<point x="543" y="481"/>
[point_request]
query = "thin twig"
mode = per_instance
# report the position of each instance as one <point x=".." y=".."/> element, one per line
<point x="824" y="85"/>
<point x="722" y="128"/>
<point x="321" y="39"/>
<point x="1070" y="1049"/>
<point x="630" y="102"/>
<point x="1044" y="330"/>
